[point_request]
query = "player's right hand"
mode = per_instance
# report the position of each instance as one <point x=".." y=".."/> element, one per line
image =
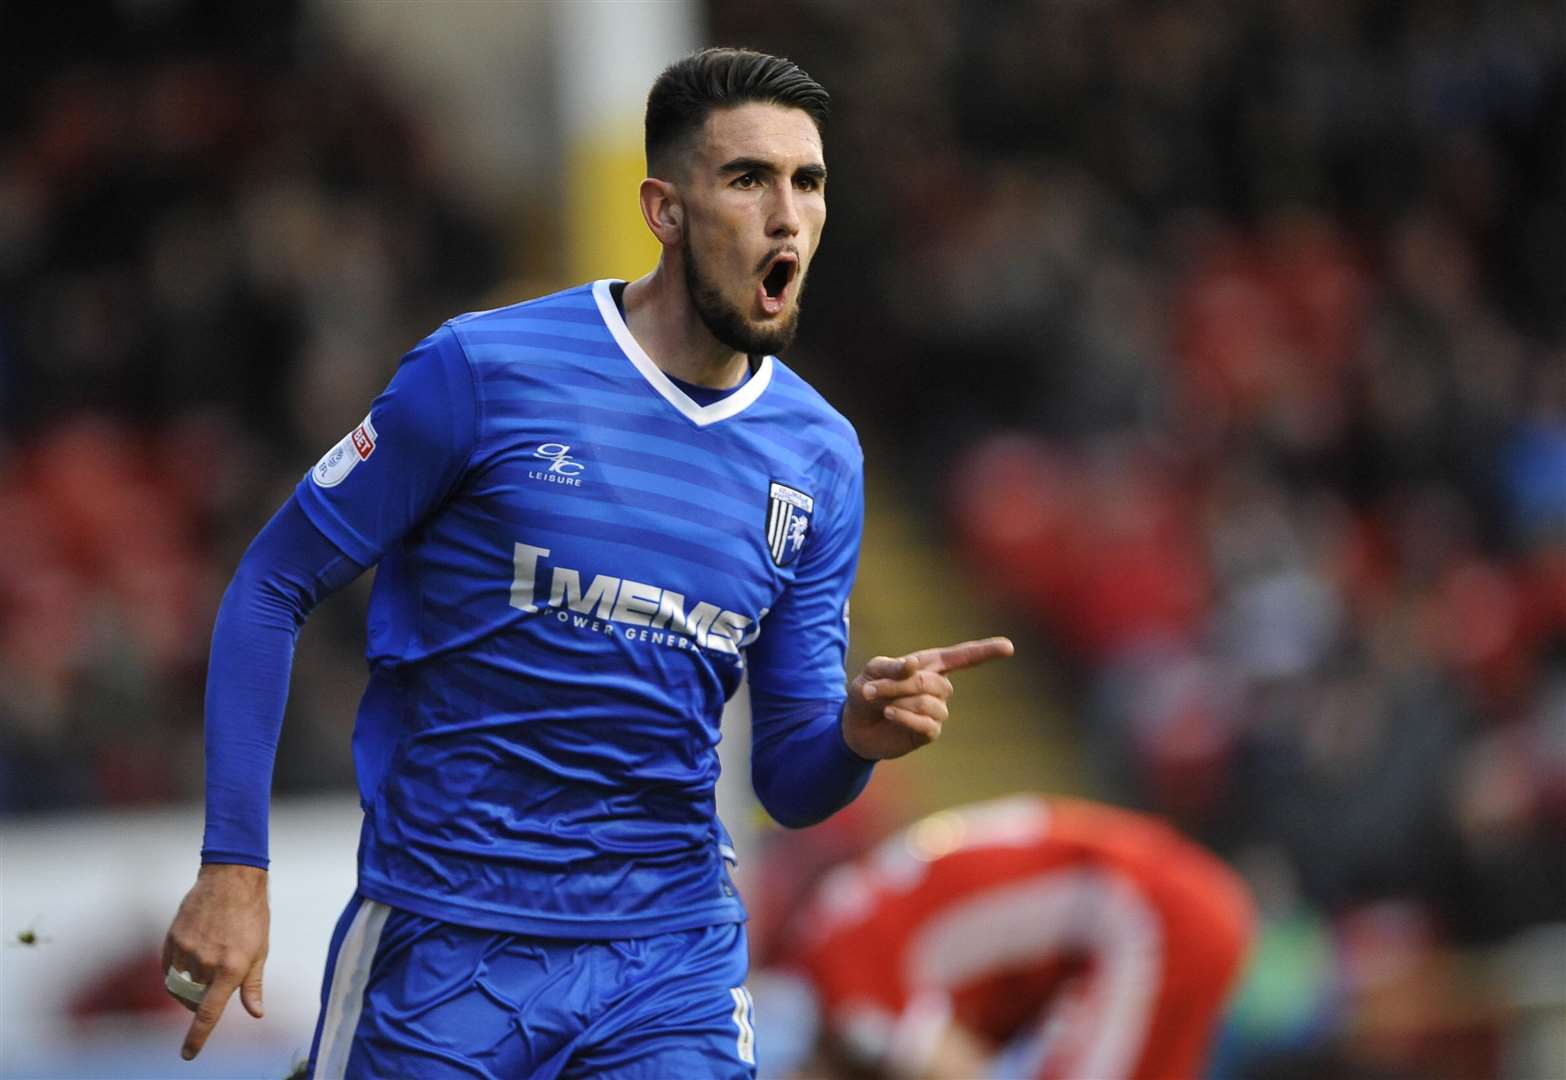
<point x="219" y="938"/>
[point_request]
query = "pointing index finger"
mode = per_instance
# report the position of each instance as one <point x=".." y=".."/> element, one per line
<point x="890" y="667"/>
<point x="964" y="655"/>
<point x="211" y="1008"/>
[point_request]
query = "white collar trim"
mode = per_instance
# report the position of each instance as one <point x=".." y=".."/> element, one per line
<point x="700" y="415"/>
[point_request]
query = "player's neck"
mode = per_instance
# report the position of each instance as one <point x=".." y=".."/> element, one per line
<point x="662" y="319"/>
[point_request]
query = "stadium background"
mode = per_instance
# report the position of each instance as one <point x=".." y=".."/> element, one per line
<point x="1215" y="352"/>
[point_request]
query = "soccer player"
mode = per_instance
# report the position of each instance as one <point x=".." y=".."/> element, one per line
<point x="1022" y="938"/>
<point x="591" y="513"/>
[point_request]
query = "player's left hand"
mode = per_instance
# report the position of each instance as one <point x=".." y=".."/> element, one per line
<point x="898" y="704"/>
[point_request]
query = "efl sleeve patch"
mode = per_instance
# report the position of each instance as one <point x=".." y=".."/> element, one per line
<point x="339" y="461"/>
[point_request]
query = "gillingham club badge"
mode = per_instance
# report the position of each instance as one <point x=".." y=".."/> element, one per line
<point x="788" y="520"/>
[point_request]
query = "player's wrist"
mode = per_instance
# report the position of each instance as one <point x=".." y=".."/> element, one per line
<point x="233" y="875"/>
<point x="847" y="731"/>
<point x="239" y="855"/>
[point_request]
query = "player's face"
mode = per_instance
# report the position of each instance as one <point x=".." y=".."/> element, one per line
<point x="755" y="206"/>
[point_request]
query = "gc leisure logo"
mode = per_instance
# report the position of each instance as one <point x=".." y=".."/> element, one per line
<point x="562" y="467"/>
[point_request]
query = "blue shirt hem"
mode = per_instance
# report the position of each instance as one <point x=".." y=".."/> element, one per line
<point x="598" y="927"/>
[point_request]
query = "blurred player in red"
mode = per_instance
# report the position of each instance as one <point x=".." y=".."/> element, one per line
<point x="1020" y="938"/>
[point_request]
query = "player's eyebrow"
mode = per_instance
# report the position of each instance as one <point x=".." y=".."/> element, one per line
<point x="816" y="172"/>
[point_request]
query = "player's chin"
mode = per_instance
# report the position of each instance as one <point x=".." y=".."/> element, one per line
<point x="774" y="335"/>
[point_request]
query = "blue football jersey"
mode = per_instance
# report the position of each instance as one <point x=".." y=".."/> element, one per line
<point x="576" y="564"/>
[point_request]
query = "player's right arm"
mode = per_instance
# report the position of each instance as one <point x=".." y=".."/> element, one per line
<point x="405" y="459"/>
<point x="219" y="935"/>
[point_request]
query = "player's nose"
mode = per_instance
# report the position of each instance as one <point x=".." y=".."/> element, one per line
<point x="783" y="215"/>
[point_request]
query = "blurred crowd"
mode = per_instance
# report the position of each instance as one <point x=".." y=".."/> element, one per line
<point x="214" y="232"/>
<point x="1237" y="333"/>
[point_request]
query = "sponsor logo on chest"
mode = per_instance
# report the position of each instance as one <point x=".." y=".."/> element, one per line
<point x="635" y="610"/>
<point x="556" y="465"/>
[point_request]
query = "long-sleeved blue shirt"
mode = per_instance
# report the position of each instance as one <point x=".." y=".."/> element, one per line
<point x="577" y="561"/>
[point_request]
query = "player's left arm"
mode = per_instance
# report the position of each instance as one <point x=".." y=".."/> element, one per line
<point x="813" y="745"/>
<point x="801" y="767"/>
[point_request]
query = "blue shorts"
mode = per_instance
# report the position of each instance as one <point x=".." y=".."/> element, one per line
<point x="410" y="996"/>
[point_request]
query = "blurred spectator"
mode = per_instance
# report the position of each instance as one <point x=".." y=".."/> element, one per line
<point x="1241" y="340"/>
<point x="215" y="240"/>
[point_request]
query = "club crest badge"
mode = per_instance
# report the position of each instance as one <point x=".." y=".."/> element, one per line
<point x="788" y="520"/>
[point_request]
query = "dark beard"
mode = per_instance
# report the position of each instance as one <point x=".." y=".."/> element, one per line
<point x="729" y="325"/>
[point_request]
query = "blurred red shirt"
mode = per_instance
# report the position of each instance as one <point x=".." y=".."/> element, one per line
<point x="1087" y="941"/>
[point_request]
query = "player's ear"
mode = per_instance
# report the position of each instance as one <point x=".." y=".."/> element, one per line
<point x="663" y="211"/>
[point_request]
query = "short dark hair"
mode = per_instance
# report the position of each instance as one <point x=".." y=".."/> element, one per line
<point x="721" y="78"/>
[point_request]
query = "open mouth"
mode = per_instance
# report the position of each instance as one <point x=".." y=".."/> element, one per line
<point x="775" y="283"/>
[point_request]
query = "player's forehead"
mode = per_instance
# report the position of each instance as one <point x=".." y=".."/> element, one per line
<point x="761" y="131"/>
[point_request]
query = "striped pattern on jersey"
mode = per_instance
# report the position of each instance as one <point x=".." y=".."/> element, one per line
<point x="553" y="643"/>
